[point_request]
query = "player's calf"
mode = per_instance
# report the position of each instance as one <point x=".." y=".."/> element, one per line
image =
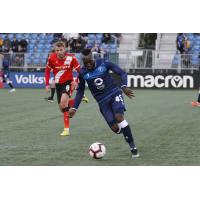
<point x="64" y="108"/>
<point x="66" y="121"/>
<point x="198" y="99"/>
<point x="128" y="136"/>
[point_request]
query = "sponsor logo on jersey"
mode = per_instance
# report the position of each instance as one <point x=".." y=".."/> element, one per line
<point x="99" y="83"/>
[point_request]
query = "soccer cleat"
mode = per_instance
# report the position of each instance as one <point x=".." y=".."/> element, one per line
<point x="195" y="104"/>
<point x="12" y="90"/>
<point x="135" y="153"/>
<point x="49" y="99"/>
<point x="85" y="99"/>
<point x="65" y="133"/>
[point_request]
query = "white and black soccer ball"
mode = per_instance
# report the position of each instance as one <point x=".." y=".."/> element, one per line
<point x="97" y="150"/>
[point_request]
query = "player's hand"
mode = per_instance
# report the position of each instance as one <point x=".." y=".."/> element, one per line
<point x="47" y="88"/>
<point x="74" y="85"/>
<point x="128" y="92"/>
<point x="71" y="112"/>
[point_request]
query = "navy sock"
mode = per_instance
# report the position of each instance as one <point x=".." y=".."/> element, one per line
<point x="52" y="92"/>
<point x="11" y="86"/>
<point x="128" y="136"/>
<point x="198" y="98"/>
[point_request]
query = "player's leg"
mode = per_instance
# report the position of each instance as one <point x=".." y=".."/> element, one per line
<point x="71" y="103"/>
<point x="8" y="82"/>
<point x="118" y="124"/>
<point x="198" y="99"/>
<point x="63" y="101"/>
<point x="53" y="88"/>
<point x="109" y="117"/>
<point x="196" y="103"/>
<point x="127" y="132"/>
<point x="64" y="109"/>
<point x="118" y="109"/>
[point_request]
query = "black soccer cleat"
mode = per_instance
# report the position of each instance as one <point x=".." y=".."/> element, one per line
<point x="49" y="99"/>
<point x="135" y="153"/>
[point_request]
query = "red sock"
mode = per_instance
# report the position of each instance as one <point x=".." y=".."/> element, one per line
<point x="66" y="120"/>
<point x="71" y="102"/>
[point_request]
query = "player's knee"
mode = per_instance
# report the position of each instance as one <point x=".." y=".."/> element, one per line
<point x="115" y="128"/>
<point x="62" y="106"/>
<point x="119" y="117"/>
<point x="63" y="103"/>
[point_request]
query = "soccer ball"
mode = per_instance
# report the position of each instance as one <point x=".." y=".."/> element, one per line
<point x="97" y="150"/>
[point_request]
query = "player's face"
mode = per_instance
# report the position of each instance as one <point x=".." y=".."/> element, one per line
<point x="60" y="51"/>
<point x="88" y="63"/>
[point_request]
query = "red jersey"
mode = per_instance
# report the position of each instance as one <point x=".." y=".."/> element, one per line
<point x="62" y="68"/>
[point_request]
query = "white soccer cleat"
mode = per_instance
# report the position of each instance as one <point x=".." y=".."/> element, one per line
<point x="65" y="133"/>
<point x="135" y="153"/>
<point x="12" y="90"/>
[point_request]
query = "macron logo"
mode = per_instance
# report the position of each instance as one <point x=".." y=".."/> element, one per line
<point x="159" y="81"/>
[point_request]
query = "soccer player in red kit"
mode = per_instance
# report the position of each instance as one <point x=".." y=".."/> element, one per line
<point x="62" y="64"/>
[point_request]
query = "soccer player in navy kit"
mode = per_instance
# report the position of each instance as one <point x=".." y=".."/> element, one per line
<point x="107" y="94"/>
<point x="6" y="73"/>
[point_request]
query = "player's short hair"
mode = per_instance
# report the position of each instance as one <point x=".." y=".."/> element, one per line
<point x="60" y="44"/>
<point x="86" y="52"/>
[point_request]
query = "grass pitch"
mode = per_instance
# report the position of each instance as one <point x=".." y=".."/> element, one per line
<point x="166" y="129"/>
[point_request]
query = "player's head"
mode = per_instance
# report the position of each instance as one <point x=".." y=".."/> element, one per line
<point x="59" y="48"/>
<point x="88" y="59"/>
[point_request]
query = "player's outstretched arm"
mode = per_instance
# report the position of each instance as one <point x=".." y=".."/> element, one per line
<point x="78" y="97"/>
<point x="117" y="70"/>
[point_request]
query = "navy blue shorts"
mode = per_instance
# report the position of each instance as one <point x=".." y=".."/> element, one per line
<point x="62" y="88"/>
<point x="112" y="106"/>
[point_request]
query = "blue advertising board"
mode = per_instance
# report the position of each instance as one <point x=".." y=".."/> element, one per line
<point x="28" y="79"/>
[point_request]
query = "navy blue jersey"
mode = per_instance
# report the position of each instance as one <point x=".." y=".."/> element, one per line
<point x="99" y="80"/>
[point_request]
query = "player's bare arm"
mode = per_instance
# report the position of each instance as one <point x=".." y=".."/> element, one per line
<point x="47" y="77"/>
<point x="128" y="92"/>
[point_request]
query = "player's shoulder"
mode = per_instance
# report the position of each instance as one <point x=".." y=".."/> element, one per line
<point x="52" y="56"/>
<point x="100" y="61"/>
<point x="103" y="62"/>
